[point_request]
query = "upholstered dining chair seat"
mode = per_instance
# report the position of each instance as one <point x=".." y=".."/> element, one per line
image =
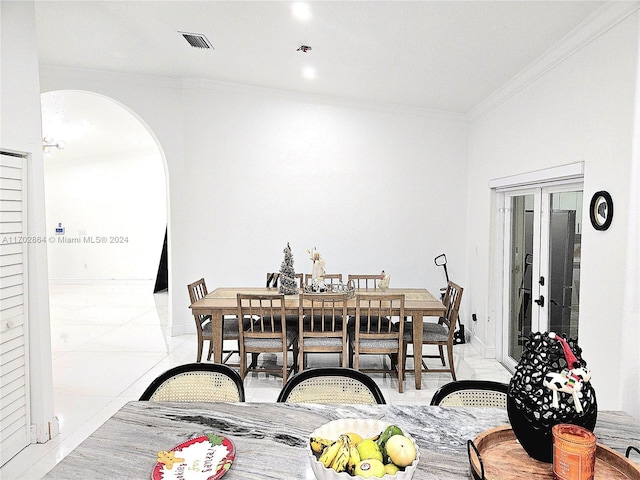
<point x="270" y="342"/>
<point x="430" y="332"/>
<point x="379" y="343"/>
<point x="323" y="342"/>
<point x="229" y="326"/>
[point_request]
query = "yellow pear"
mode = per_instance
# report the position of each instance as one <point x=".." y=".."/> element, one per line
<point x="367" y="449"/>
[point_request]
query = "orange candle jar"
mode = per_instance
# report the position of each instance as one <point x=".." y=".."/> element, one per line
<point x="574" y="452"/>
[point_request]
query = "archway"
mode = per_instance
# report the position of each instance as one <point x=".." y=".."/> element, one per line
<point x="105" y="191"/>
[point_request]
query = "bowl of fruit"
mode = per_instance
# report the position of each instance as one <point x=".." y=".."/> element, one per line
<point x="353" y="448"/>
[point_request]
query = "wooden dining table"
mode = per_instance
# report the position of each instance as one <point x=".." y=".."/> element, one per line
<point x="419" y="303"/>
<point x="271" y="439"/>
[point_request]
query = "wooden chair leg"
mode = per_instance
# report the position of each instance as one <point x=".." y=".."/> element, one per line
<point x="210" y="350"/>
<point x="301" y="364"/>
<point x="400" y="377"/>
<point x="356" y="360"/>
<point x="403" y="357"/>
<point x="199" y="357"/>
<point x="451" y="365"/>
<point x="243" y="365"/>
<point x="254" y="360"/>
<point x="284" y="366"/>
<point x="442" y="355"/>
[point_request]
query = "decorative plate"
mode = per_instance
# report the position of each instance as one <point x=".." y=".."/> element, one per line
<point x="203" y="458"/>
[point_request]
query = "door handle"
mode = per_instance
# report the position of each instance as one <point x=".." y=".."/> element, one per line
<point x="540" y="301"/>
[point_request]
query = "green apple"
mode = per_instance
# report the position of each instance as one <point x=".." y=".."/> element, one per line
<point x="401" y="450"/>
<point x="367" y="449"/>
<point x="370" y="468"/>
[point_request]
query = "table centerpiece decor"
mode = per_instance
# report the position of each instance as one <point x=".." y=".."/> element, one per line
<point x="551" y="385"/>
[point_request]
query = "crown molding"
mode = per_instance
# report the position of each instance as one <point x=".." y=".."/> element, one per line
<point x="243" y="89"/>
<point x="54" y="71"/>
<point x="599" y="22"/>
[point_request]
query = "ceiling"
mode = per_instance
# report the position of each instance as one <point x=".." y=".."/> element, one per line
<point x="445" y="56"/>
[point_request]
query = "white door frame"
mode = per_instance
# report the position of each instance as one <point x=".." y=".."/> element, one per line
<point x="500" y="188"/>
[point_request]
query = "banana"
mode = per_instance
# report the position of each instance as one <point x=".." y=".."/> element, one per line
<point x="330" y="452"/>
<point x="319" y="444"/>
<point x="354" y="459"/>
<point x="341" y="459"/>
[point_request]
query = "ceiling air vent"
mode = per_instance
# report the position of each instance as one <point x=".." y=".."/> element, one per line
<point x="197" y="40"/>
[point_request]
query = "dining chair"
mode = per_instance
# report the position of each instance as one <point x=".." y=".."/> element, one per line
<point x="369" y="282"/>
<point x="265" y="331"/>
<point x="196" y="382"/>
<point x="324" y="328"/>
<point x="204" y="327"/>
<point x="331" y="385"/>
<point x="329" y="278"/>
<point x="472" y="393"/>
<point x="440" y="334"/>
<point x="373" y="331"/>
<point x="273" y="282"/>
<point x="273" y="279"/>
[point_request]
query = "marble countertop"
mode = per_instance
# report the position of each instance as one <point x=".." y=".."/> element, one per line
<point x="271" y="438"/>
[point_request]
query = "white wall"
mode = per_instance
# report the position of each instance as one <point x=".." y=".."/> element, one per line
<point x="120" y="199"/>
<point x="20" y="130"/>
<point x="580" y="111"/>
<point x="251" y="169"/>
<point x="371" y="189"/>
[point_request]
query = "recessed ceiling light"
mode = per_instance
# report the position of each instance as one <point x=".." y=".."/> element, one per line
<point x="309" y="73"/>
<point x="301" y="11"/>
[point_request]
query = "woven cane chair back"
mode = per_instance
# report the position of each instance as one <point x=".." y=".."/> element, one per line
<point x="332" y="386"/>
<point x="472" y="393"/>
<point x="196" y="382"/>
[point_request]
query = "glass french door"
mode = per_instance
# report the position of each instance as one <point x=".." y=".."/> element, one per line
<point x="543" y="229"/>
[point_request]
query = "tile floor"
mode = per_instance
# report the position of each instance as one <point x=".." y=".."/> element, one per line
<point x="108" y="344"/>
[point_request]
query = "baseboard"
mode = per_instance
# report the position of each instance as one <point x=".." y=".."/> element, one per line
<point x="485" y="352"/>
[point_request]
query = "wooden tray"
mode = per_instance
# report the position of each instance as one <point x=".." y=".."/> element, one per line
<point x="504" y="458"/>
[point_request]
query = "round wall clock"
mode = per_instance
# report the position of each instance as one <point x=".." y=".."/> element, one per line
<point x="601" y="210"/>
